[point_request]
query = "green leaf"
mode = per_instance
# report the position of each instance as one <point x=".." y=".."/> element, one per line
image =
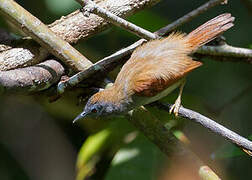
<point x="107" y="139"/>
<point x="138" y="160"/>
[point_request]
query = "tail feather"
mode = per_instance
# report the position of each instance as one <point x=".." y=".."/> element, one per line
<point x="209" y="30"/>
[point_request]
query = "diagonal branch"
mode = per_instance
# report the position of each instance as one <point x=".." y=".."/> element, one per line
<point x="75" y="26"/>
<point x="188" y="17"/>
<point x="43" y="35"/>
<point x="210" y="124"/>
<point x="90" y="6"/>
<point x="105" y="64"/>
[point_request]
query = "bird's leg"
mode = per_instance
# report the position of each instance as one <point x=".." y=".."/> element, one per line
<point x="175" y="107"/>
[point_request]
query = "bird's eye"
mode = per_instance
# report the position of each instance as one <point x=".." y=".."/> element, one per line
<point x="94" y="110"/>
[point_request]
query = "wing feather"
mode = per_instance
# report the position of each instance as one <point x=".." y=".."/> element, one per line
<point x="156" y="65"/>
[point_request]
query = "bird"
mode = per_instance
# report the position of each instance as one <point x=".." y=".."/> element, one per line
<point x="154" y="70"/>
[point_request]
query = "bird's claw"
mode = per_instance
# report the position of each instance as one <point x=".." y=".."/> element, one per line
<point x="175" y="107"/>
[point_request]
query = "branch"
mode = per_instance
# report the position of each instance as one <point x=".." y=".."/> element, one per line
<point x="241" y="54"/>
<point x="210" y="124"/>
<point x="43" y="35"/>
<point x="91" y="7"/>
<point x="13" y="55"/>
<point x="105" y="64"/>
<point x="72" y="28"/>
<point x="75" y="26"/>
<point x="227" y="51"/>
<point x="188" y="17"/>
<point x="32" y="56"/>
<point x="31" y="79"/>
<point x="26" y="54"/>
<point x="220" y="53"/>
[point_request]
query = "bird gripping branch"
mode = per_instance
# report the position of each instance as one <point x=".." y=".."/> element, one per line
<point x="154" y="70"/>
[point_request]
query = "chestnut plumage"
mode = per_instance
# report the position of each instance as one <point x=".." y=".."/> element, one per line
<point x="155" y="69"/>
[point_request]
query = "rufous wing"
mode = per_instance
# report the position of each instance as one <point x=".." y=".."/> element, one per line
<point x="155" y="66"/>
<point x="151" y="82"/>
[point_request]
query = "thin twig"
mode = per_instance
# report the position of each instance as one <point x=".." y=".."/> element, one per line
<point x="211" y="125"/>
<point x="104" y="64"/>
<point x="75" y="26"/>
<point x="43" y="35"/>
<point x="92" y="7"/>
<point x="227" y="51"/>
<point x="188" y="17"/>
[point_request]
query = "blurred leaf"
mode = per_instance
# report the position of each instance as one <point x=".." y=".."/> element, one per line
<point x="229" y="151"/>
<point x="206" y="173"/>
<point x="138" y="160"/>
<point x="92" y="145"/>
<point x="181" y="136"/>
<point x="60" y="7"/>
<point x="108" y="139"/>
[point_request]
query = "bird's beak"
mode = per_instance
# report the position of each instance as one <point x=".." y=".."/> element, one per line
<point x="80" y="116"/>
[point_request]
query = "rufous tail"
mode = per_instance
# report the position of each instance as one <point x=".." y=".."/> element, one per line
<point x="209" y="30"/>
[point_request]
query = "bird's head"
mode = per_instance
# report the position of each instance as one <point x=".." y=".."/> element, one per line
<point x="98" y="105"/>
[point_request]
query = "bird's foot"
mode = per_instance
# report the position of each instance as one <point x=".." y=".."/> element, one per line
<point x="175" y="107"/>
